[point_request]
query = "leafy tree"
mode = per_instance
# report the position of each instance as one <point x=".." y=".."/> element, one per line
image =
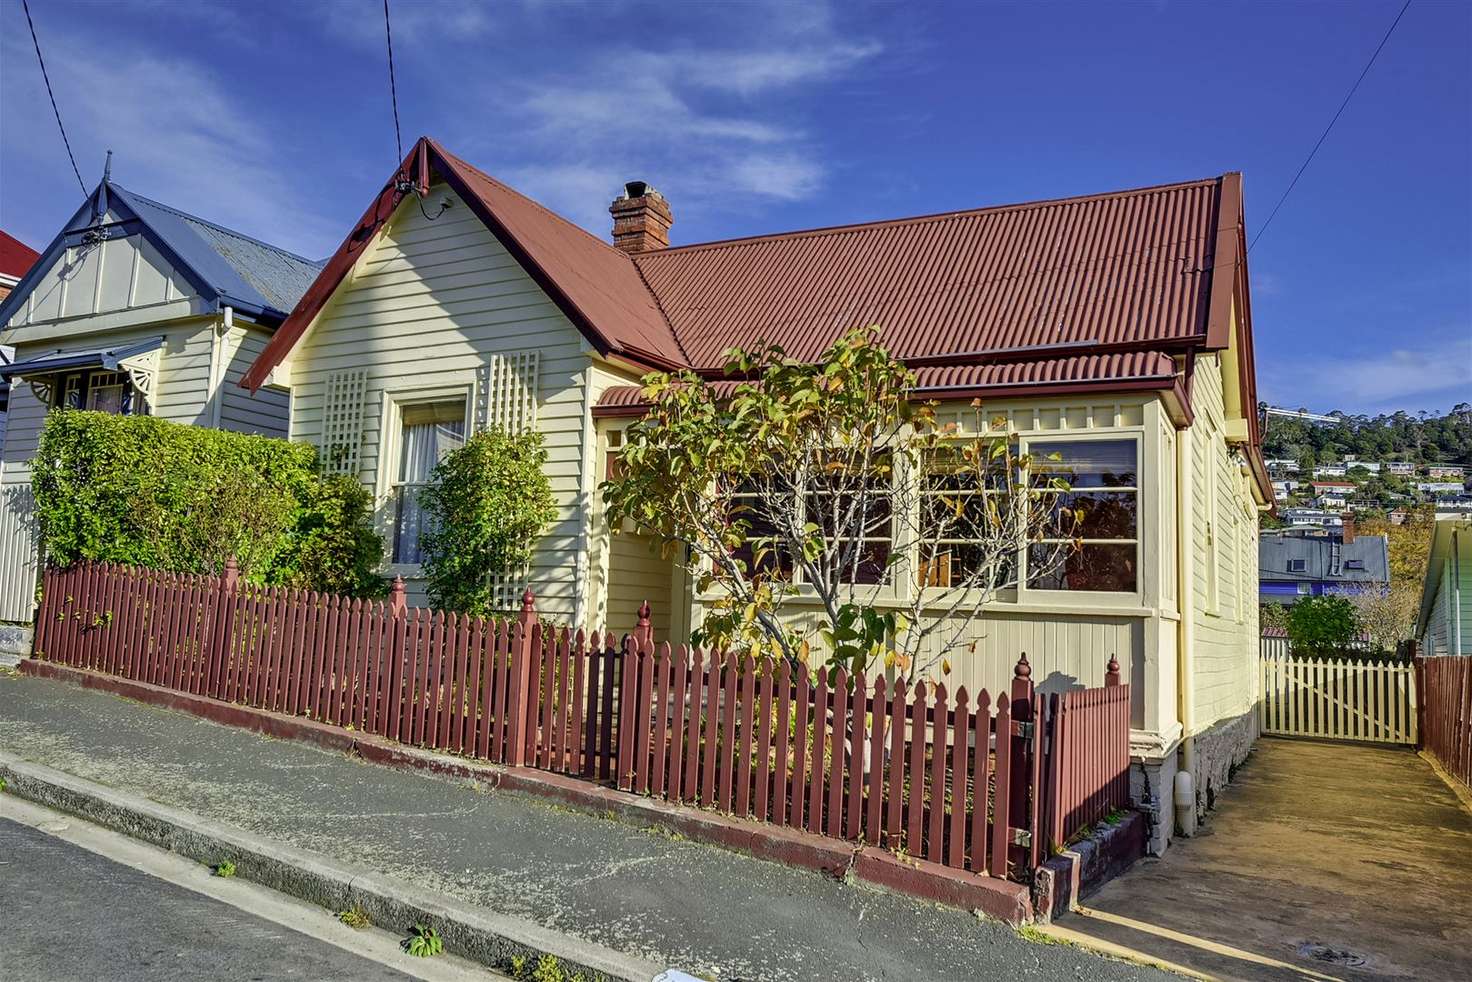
<point x="1321" y="626"/>
<point x="486" y="505"/>
<point x="822" y="481"/>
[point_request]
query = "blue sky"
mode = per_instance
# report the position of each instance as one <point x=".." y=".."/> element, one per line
<point x="755" y="117"/>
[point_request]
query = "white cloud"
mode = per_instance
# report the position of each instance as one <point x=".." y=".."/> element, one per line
<point x="360" y="22"/>
<point x="177" y="133"/>
<point x="1401" y="378"/>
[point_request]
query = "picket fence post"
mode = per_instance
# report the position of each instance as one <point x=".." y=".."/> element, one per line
<point x="1021" y="771"/>
<point x="217" y="665"/>
<point x="643" y="631"/>
<point x="1111" y="672"/>
<point x="521" y="678"/>
<point x="396" y="603"/>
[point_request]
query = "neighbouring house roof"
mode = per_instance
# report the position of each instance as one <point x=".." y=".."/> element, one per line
<point x="16" y="258"/>
<point x="1325" y="560"/>
<point x="226" y="267"/>
<point x="1150" y="272"/>
<point x="58" y="361"/>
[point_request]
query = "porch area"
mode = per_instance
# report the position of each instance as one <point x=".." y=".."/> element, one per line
<point x="1327" y="860"/>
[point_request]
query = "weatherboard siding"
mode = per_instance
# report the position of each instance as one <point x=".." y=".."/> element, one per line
<point x="426" y="308"/>
<point x="266" y="412"/>
<point x="1224" y="555"/>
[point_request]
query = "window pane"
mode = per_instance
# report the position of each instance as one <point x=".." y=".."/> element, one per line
<point x="430" y="431"/>
<point x="1105" y="514"/>
<point x="952" y="564"/>
<point x="1090" y="567"/>
<point x="873" y="564"/>
<point x="1086" y="463"/>
<point x="408" y="525"/>
<point x="106" y="399"/>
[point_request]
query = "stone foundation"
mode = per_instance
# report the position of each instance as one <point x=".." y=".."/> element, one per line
<point x="15" y="643"/>
<point x="1219" y="752"/>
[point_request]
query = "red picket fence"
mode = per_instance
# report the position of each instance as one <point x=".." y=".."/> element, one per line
<point x="983" y="785"/>
<point x="1444" y="683"/>
<point x="1088" y="766"/>
<point x="505" y="692"/>
<point x="829" y="753"/>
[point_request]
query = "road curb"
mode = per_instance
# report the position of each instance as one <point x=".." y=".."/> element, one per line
<point x="474" y="933"/>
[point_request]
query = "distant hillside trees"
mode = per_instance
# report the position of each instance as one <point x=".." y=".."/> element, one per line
<point x="1421" y="438"/>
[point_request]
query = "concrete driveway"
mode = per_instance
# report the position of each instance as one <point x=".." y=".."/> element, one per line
<point x="1322" y="861"/>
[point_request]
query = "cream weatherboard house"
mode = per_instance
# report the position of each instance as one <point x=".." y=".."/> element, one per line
<point x="134" y="307"/>
<point x="1113" y="329"/>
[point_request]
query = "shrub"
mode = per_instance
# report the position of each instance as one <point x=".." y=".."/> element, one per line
<point x="147" y="492"/>
<point x="332" y="545"/>
<point x="485" y="505"/>
<point x="1321" y="626"/>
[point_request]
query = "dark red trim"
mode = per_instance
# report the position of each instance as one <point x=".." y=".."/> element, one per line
<point x="414" y="168"/>
<point x="1226" y="263"/>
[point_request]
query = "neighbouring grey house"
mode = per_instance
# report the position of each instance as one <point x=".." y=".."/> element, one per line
<point x="1293" y="566"/>
<point x="1444" y="626"/>
<point x="135" y="308"/>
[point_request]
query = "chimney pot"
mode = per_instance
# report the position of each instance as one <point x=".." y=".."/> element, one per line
<point x="641" y="219"/>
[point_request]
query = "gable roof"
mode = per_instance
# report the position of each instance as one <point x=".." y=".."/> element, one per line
<point x="595" y="285"/>
<point x="226" y="267"/>
<point x="16" y="258"/>
<point x="1127" y="269"/>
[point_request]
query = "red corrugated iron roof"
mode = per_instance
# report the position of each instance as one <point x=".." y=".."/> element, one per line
<point x="1134" y="370"/>
<point x="16" y="258"/>
<point x="1132" y="268"/>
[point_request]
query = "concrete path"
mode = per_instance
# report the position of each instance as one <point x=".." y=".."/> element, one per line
<point x="708" y="911"/>
<point x="1322" y="860"/>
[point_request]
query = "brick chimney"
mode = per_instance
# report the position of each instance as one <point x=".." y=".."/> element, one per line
<point x="641" y="219"/>
<point x="1348" y="531"/>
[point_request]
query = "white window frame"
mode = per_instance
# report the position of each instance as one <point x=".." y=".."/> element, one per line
<point x="391" y="445"/>
<point x="1095" y="598"/>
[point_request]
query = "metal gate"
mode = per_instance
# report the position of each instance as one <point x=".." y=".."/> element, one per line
<point x="1337" y="698"/>
<point x="19" y="562"/>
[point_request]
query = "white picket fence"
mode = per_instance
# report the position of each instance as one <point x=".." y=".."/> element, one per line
<point x="1336" y="699"/>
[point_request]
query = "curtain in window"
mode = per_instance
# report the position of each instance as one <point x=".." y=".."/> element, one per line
<point x="429" y="434"/>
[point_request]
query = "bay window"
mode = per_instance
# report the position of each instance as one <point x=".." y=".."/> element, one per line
<point x="1103" y="481"/>
<point x="100" y="391"/>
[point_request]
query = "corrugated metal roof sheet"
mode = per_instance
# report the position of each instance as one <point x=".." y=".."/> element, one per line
<point x="254" y="273"/>
<point x="1325" y="559"/>
<point x="1123" y="268"/>
<point x="599" y="280"/>
<point x="1136" y="368"/>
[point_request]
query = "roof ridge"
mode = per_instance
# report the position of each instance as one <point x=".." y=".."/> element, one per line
<point x="941" y="216"/>
<point x="215" y="225"/>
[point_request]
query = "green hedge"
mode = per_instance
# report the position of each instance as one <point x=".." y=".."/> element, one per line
<point x="147" y="492"/>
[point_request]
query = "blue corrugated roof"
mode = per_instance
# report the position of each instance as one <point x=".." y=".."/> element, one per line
<point x="1326" y="559"/>
<point x="246" y="272"/>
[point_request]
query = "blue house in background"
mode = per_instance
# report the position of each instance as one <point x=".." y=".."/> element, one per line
<point x="1294" y="565"/>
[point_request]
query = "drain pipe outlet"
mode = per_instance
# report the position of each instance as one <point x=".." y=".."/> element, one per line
<point x="1185" y="795"/>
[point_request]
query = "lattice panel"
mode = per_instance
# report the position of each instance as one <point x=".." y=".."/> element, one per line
<point x="506" y="392"/>
<point x="342" y="422"/>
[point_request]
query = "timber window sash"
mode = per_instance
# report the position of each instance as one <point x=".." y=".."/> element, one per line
<point x="953" y="496"/>
<point x="427" y="433"/>
<point x="97" y="391"/>
<point x="1102" y="474"/>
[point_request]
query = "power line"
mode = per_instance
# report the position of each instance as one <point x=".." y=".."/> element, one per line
<point x="82" y="184"/>
<point x="1325" y="134"/>
<point x="393" y="92"/>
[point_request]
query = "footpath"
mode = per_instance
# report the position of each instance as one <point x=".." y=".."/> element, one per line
<point x="588" y="880"/>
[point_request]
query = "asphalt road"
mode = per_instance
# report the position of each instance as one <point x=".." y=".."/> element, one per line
<point x="72" y="916"/>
